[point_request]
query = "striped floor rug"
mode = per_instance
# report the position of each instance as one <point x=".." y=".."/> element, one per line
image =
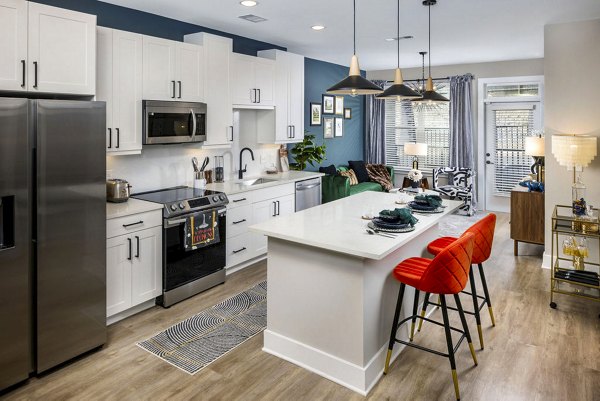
<point x="199" y="340"/>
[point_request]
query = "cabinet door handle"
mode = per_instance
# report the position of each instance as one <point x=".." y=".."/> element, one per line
<point x="137" y="252"/>
<point x="238" y="200"/>
<point x="133" y="224"/>
<point x="179" y="82"/>
<point x="23" y="68"/>
<point x="239" y="221"/>
<point x="35" y="74"/>
<point x="129" y="254"/>
<point x="110" y="138"/>
<point x="230" y="129"/>
<point x="253" y="96"/>
<point x="274" y="208"/>
<point x="239" y="250"/>
<point x="258" y="95"/>
<point x="278" y="207"/>
<point x="118" y="138"/>
<point x="173" y="84"/>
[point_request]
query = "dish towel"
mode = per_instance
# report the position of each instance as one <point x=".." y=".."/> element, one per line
<point x="379" y="174"/>
<point x="430" y="200"/>
<point x="404" y="215"/>
<point x="200" y="230"/>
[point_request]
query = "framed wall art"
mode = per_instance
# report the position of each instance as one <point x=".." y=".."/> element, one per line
<point x="316" y="117"/>
<point x="339" y="105"/>
<point x="328" y="104"/>
<point x="347" y="113"/>
<point x="328" y="127"/>
<point x="339" y="126"/>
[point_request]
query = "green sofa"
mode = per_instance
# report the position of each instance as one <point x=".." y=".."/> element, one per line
<point x="337" y="186"/>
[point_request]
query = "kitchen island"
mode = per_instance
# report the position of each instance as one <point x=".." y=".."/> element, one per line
<point x="331" y="295"/>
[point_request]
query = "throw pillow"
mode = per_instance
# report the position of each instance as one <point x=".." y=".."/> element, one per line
<point x="350" y="174"/>
<point x="330" y="170"/>
<point x="360" y="169"/>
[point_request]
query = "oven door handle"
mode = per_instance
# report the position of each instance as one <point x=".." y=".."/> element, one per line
<point x="168" y="223"/>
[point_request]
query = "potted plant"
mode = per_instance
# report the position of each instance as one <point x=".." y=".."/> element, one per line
<point x="415" y="176"/>
<point x="307" y="151"/>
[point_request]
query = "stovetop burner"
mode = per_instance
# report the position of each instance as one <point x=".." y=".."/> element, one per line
<point x="181" y="200"/>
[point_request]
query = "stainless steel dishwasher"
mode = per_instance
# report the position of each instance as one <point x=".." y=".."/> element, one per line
<point x="308" y="193"/>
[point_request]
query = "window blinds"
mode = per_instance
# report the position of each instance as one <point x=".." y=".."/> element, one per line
<point x="406" y="121"/>
<point x="511" y="126"/>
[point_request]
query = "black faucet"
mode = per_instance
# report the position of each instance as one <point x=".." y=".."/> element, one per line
<point x="242" y="171"/>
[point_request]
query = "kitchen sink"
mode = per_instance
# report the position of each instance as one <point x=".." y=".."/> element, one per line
<point x="256" y="181"/>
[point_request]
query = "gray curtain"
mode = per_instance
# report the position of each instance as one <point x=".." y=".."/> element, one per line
<point x="461" y="123"/>
<point x="375" y="128"/>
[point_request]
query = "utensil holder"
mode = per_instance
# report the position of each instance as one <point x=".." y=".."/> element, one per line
<point x="199" y="180"/>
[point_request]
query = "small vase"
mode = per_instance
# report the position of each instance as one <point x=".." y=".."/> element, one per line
<point x="414" y="184"/>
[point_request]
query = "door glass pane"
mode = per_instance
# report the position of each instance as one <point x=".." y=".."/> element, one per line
<point x="511" y="163"/>
<point x="512" y="90"/>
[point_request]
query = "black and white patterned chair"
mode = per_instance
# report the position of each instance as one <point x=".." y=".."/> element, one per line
<point x="460" y="186"/>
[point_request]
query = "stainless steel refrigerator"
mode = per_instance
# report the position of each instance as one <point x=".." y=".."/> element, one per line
<point x="52" y="233"/>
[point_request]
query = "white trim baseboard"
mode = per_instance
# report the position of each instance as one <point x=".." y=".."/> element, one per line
<point x="546" y="261"/>
<point x="130" y="312"/>
<point x="243" y="265"/>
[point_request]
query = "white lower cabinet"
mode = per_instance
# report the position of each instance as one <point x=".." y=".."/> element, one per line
<point x="254" y="207"/>
<point x="133" y="268"/>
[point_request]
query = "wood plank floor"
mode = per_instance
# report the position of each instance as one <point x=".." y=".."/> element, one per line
<point x="533" y="353"/>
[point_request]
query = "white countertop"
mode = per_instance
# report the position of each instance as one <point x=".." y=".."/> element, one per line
<point x="338" y="226"/>
<point x="234" y="187"/>
<point x="132" y="206"/>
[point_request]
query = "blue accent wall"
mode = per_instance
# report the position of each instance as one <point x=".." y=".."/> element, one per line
<point x="127" y="19"/>
<point x="318" y="76"/>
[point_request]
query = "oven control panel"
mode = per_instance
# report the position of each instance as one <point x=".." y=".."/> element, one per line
<point x="195" y="205"/>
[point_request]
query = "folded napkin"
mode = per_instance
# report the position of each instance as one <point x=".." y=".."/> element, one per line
<point x="403" y="215"/>
<point x="430" y="200"/>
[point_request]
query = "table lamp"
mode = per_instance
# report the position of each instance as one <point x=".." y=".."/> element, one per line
<point x="575" y="152"/>
<point x="415" y="149"/>
<point x="534" y="147"/>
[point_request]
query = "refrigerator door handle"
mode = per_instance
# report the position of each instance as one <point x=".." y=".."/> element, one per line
<point x="23" y="67"/>
<point x="130" y="251"/>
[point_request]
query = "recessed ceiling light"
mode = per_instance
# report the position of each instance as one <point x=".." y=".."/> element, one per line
<point x="249" y="3"/>
<point x="400" y="38"/>
<point x="318" y="27"/>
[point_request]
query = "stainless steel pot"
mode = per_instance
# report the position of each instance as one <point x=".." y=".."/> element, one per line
<point x="117" y="190"/>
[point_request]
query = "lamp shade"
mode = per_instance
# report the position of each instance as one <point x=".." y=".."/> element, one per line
<point x="354" y="84"/>
<point x="415" y="149"/>
<point x="534" y="146"/>
<point x="572" y="151"/>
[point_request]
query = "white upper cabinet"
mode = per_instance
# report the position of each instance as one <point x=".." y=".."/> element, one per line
<point x="217" y="63"/>
<point x="46" y="49"/>
<point x="119" y="84"/>
<point x="286" y="125"/>
<point x="173" y="70"/>
<point x="61" y="51"/>
<point x="159" y="80"/>
<point x="252" y="81"/>
<point x="13" y="45"/>
<point x="190" y="72"/>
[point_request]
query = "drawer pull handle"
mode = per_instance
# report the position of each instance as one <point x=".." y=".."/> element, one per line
<point x="239" y="221"/>
<point x="133" y="224"/>
<point x="240" y="250"/>
<point x="239" y="200"/>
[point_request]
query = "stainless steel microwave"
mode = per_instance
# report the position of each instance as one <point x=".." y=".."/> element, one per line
<point x="173" y="122"/>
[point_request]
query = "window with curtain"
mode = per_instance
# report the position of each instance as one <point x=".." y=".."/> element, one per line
<point x="407" y="121"/>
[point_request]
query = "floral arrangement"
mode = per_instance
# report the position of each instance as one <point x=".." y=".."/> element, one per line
<point x="415" y="175"/>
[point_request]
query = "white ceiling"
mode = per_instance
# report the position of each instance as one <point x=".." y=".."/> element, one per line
<point x="463" y="31"/>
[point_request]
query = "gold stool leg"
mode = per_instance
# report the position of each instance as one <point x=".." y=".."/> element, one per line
<point x="455" y="380"/>
<point x="480" y="335"/>
<point x="387" y="362"/>
<point x="492" y="316"/>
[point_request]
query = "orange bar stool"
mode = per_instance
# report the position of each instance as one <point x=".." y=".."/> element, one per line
<point x="446" y="274"/>
<point x="483" y="231"/>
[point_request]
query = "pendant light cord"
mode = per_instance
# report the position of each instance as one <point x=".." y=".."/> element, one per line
<point x="429" y="56"/>
<point x="354" y="28"/>
<point x="398" y="34"/>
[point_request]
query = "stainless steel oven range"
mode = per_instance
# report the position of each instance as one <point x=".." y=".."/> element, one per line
<point x="188" y="272"/>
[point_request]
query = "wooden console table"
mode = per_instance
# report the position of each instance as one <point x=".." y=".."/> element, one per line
<point x="526" y="217"/>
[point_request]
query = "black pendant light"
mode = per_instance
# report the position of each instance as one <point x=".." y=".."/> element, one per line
<point x="355" y="84"/>
<point x="429" y="95"/>
<point x="398" y="91"/>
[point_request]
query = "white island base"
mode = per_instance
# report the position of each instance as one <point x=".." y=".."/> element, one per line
<point x="331" y="311"/>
